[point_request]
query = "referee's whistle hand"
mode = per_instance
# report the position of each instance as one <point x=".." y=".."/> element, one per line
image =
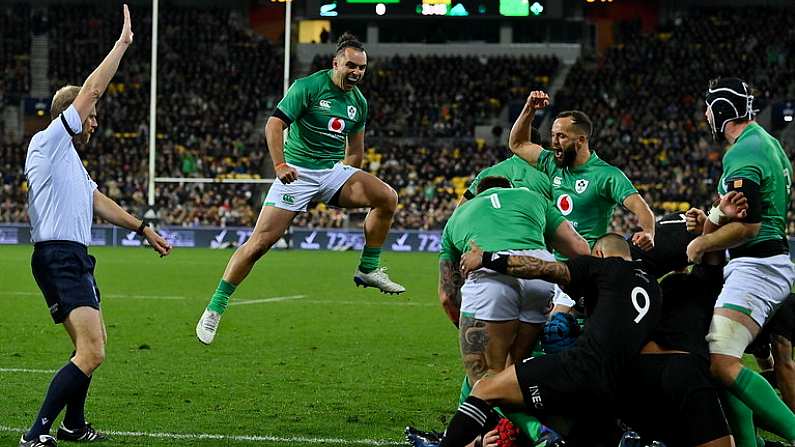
<point x="157" y="242"/>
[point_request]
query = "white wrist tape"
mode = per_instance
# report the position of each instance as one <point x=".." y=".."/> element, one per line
<point x="715" y="215"/>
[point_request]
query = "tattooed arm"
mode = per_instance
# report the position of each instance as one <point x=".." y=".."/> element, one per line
<point x="527" y="267"/>
<point x="450" y="282"/>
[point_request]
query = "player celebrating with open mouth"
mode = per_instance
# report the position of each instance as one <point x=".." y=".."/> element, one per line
<point x="319" y="160"/>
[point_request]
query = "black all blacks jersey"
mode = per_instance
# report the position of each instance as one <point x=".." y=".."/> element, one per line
<point x="622" y="304"/>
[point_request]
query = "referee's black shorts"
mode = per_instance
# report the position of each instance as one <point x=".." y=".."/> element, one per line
<point x="64" y="272"/>
<point x="672" y="398"/>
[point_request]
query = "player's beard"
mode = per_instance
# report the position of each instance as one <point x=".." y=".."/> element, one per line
<point x="569" y="155"/>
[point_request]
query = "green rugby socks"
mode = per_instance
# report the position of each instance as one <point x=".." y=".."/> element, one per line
<point x="761" y="398"/>
<point x="741" y="420"/>
<point x="220" y="299"/>
<point x="370" y="260"/>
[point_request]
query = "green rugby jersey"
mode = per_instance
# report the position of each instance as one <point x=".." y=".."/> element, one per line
<point x="759" y="157"/>
<point x="322" y="115"/>
<point x="520" y="173"/>
<point x="500" y="219"/>
<point x="588" y="194"/>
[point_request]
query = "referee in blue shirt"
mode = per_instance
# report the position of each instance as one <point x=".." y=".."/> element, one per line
<point x="62" y="201"/>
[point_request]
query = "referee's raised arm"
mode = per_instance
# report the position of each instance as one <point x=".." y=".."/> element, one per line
<point x="98" y="80"/>
<point x="62" y="203"/>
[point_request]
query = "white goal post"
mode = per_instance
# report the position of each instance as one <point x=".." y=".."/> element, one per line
<point x="153" y="180"/>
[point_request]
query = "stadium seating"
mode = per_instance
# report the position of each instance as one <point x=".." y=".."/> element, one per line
<point x="213" y="83"/>
<point x="644" y="95"/>
<point x="429" y="180"/>
<point x="15" y="30"/>
<point x="411" y="96"/>
<point x="13" y="196"/>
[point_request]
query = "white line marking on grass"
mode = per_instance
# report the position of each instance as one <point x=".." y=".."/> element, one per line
<point x="25" y="370"/>
<point x="252" y="301"/>
<point x="371" y="303"/>
<point x="251" y="438"/>
<point x="267" y="300"/>
<point x="144" y="297"/>
<point x="110" y="295"/>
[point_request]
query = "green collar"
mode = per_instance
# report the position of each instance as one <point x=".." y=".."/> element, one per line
<point x="590" y="160"/>
<point x="749" y="129"/>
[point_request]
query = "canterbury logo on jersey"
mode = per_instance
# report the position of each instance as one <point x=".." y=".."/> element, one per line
<point x="336" y="124"/>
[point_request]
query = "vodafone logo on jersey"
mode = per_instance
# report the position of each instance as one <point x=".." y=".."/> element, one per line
<point x="336" y="124"/>
<point x="565" y="204"/>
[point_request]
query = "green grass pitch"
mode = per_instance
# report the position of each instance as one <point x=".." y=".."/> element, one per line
<point x="310" y="360"/>
<point x="335" y="363"/>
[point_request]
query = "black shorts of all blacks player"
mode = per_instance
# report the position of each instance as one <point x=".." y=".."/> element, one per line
<point x="672" y="398"/>
<point x="551" y="391"/>
<point x="548" y="388"/>
<point x="64" y="272"/>
<point x="782" y="324"/>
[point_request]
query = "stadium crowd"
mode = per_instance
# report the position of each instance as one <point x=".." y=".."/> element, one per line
<point x="644" y="95"/>
<point x="424" y="105"/>
<point x="207" y="109"/>
<point x="15" y="30"/>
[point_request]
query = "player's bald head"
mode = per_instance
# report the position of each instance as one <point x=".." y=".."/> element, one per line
<point x="611" y="244"/>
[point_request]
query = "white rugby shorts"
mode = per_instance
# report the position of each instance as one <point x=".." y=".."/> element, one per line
<point x="756" y="286"/>
<point x="312" y="184"/>
<point x="490" y="296"/>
